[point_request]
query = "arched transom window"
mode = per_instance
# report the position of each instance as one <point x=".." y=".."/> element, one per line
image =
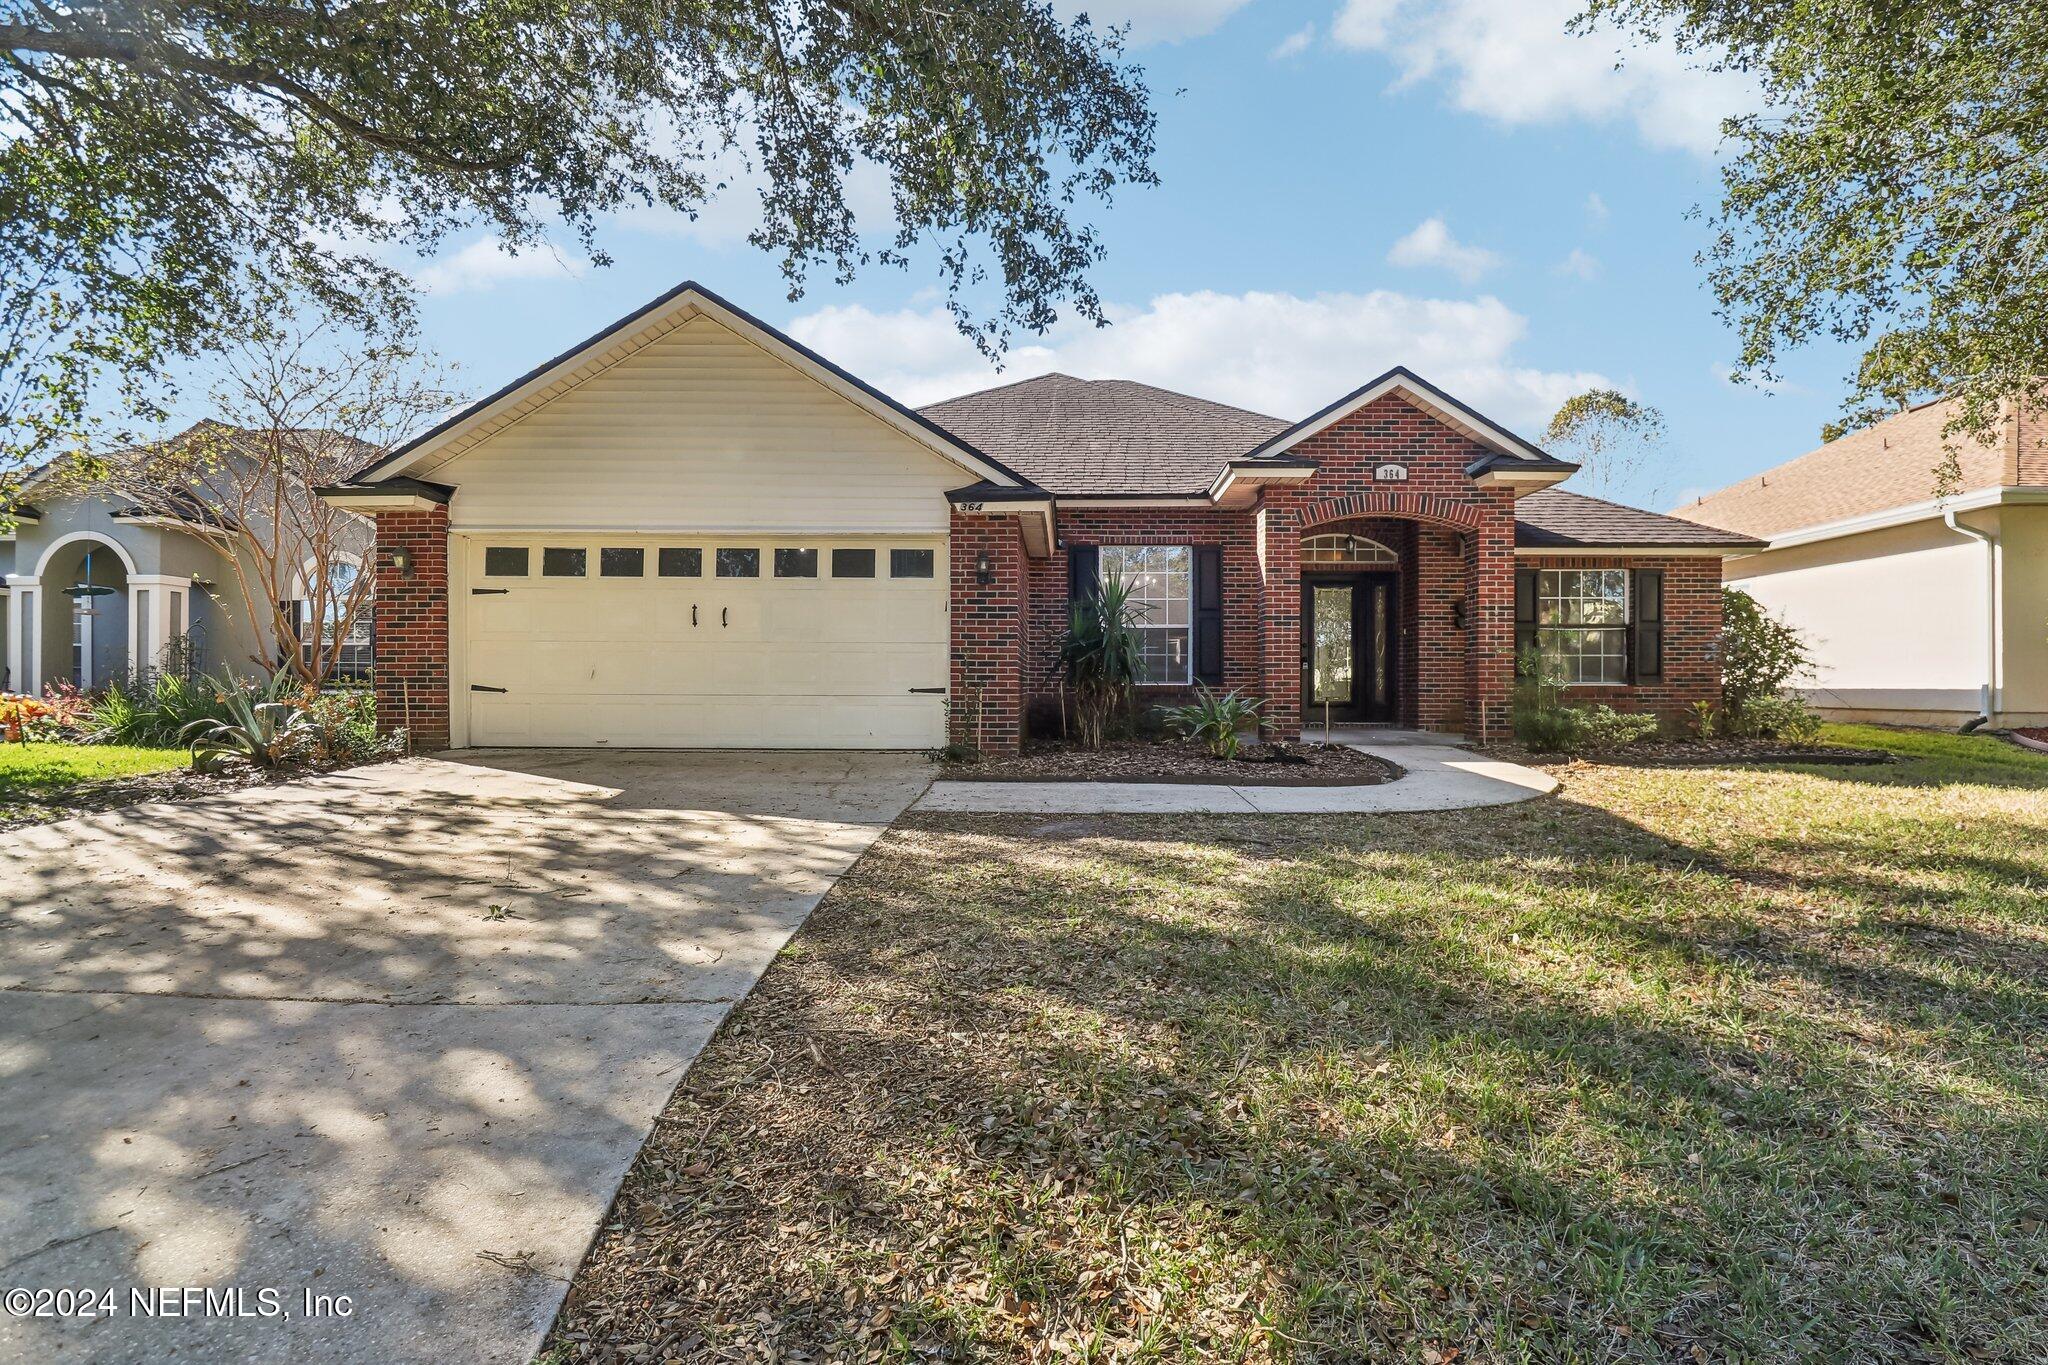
<point x="1345" y="549"/>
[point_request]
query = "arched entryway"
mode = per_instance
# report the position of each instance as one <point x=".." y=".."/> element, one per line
<point x="84" y="629"/>
<point x="87" y="615"/>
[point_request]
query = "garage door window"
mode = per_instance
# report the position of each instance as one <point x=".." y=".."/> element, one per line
<point x="739" y="563"/>
<point x="796" y="563"/>
<point x="621" y="562"/>
<point x="853" y="563"/>
<point x="505" y="561"/>
<point x="673" y="562"/>
<point x="557" y="562"/>
<point x="910" y="563"/>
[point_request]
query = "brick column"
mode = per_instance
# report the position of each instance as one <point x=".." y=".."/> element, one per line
<point x="1490" y="621"/>
<point x="1279" y="543"/>
<point x="985" y="700"/>
<point x="411" y="621"/>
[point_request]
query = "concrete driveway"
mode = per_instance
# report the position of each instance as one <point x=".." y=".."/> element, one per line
<point x="391" y="1034"/>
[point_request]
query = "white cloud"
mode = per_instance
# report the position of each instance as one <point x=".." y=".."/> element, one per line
<point x="487" y="263"/>
<point x="1579" y="265"/>
<point x="1282" y="354"/>
<point x="1155" y="21"/>
<point x="1294" y="44"/>
<point x="1431" y="244"/>
<point x="733" y="210"/>
<point x="1512" y="61"/>
<point x="1596" y="208"/>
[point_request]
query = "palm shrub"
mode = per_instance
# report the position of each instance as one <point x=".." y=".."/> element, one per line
<point x="1213" y="721"/>
<point x="1099" y="660"/>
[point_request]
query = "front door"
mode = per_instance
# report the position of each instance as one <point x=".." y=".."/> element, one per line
<point x="1347" y="647"/>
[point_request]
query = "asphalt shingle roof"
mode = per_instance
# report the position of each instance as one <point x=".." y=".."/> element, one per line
<point x="1104" y="436"/>
<point x="1891" y="464"/>
<point x="1551" y="518"/>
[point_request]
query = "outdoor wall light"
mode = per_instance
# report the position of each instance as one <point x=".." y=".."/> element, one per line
<point x="984" y="569"/>
<point x="401" y="563"/>
<point x="1458" y="615"/>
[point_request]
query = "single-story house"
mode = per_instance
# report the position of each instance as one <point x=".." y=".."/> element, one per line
<point x="1920" y="608"/>
<point x="691" y="530"/>
<point x="104" y="583"/>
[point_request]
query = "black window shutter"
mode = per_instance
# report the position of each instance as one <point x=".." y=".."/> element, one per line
<point x="1525" y="613"/>
<point x="1084" y="572"/>
<point x="1209" y="614"/>
<point x="294" y="612"/>
<point x="1646" y="608"/>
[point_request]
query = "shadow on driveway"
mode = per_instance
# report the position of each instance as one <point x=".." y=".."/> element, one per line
<point x="392" y="1033"/>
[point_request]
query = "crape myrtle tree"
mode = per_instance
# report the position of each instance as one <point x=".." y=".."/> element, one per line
<point x="297" y="407"/>
<point x="1891" y="192"/>
<point x="1615" y="439"/>
<point x="172" y="169"/>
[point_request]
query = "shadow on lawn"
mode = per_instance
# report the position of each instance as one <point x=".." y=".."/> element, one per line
<point x="1345" y="1090"/>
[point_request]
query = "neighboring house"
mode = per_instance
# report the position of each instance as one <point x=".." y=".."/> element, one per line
<point x="690" y="530"/>
<point x="169" y="594"/>
<point x="1920" y="609"/>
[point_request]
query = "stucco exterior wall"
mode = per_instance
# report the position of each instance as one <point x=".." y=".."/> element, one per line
<point x="1895" y="618"/>
<point x="2023" y="616"/>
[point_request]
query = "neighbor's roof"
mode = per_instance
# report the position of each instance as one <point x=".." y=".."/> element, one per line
<point x="1551" y="518"/>
<point x="1104" y="436"/>
<point x="1891" y="464"/>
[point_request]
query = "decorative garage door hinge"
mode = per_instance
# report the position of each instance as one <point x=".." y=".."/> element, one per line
<point x="488" y="592"/>
<point x="931" y="691"/>
<point x="479" y="687"/>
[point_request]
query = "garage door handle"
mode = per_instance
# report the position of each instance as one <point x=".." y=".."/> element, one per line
<point x="479" y="687"/>
<point x="929" y="691"/>
<point x="488" y="592"/>
<point x="721" y="616"/>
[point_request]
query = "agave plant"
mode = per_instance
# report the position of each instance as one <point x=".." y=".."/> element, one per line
<point x="258" y="729"/>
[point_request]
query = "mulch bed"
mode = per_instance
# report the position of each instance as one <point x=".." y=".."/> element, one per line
<point x="2031" y="737"/>
<point x="180" y="784"/>
<point x="1716" y="753"/>
<point x="1168" y="762"/>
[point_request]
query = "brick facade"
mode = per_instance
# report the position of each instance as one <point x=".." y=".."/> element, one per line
<point x="411" y="611"/>
<point x="1692" y="632"/>
<point x="1456" y="594"/>
<point x="985" y="702"/>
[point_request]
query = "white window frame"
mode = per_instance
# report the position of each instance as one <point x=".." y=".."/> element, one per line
<point x="1338" y="547"/>
<point x="1106" y="555"/>
<point x="1549" y="593"/>
<point x="355" y="656"/>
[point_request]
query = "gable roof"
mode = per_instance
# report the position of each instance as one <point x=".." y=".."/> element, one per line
<point x="1105" y="436"/>
<point x="1466" y="421"/>
<point x="1552" y="519"/>
<point x="1891" y="464"/>
<point x="648" y="323"/>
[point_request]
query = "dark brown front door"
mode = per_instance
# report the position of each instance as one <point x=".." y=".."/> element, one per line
<point x="1347" y="647"/>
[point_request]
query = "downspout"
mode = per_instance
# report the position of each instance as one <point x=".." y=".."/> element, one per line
<point x="1990" y="543"/>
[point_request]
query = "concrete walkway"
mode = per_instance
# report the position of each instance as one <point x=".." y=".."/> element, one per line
<point x="1440" y="776"/>
<point x="390" y="1036"/>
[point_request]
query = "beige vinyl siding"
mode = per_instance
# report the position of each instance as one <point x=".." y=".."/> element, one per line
<point x="701" y="431"/>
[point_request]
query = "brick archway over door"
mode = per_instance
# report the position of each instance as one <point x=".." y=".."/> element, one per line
<point x="1456" y="513"/>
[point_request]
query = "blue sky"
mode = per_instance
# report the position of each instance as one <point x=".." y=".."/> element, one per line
<point x="1454" y="185"/>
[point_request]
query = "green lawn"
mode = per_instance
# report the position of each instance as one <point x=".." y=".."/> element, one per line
<point x="38" y="774"/>
<point x="1682" y="1065"/>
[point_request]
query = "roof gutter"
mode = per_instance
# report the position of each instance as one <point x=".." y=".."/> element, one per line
<point x="1990" y="543"/>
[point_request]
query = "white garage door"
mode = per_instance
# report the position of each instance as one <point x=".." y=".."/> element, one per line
<point x="737" y="642"/>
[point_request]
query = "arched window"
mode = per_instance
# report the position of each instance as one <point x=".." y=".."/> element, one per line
<point x="1346" y="549"/>
<point x="352" y="652"/>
